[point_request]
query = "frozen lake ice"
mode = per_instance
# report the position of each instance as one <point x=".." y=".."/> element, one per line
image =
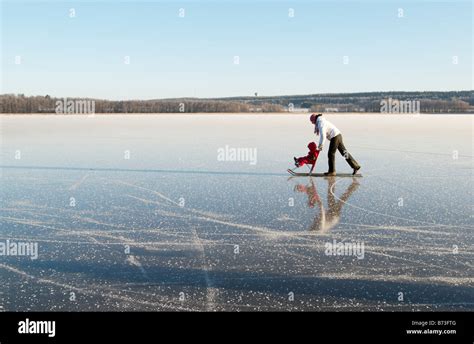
<point x="138" y="212"/>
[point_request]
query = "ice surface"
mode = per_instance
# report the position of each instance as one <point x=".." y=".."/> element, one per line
<point x="173" y="228"/>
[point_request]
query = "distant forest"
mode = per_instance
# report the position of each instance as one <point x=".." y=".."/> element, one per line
<point x="429" y="102"/>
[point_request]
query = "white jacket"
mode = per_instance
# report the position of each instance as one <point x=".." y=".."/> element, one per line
<point x="325" y="130"/>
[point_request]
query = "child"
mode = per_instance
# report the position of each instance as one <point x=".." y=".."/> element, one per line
<point x="310" y="159"/>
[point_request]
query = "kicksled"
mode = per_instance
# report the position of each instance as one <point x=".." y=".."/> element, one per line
<point x="296" y="174"/>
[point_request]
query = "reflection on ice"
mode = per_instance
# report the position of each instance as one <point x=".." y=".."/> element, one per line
<point x="325" y="220"/>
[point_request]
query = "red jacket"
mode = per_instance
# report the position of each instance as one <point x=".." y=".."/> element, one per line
<point x="313" y="151"/>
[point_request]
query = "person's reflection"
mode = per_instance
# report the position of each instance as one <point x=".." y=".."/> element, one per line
<point x="311" y="191"/>
<point x="326" y="219"/>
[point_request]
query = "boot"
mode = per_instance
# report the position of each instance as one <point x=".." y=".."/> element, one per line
<point x="296" y="162"/>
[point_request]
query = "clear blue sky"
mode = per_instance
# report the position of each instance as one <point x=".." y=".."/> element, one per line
<point x="194" y="56"/>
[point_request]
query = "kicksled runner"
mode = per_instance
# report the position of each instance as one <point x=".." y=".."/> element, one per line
<point x="296" y="174"/>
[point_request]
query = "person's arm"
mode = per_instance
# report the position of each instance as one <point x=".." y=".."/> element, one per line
<point x="322" y="135"/>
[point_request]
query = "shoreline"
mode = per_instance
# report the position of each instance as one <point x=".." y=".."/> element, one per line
<point x="238" y="114"/>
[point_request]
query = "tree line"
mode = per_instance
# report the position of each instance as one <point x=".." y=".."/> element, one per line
<point x="430" y="102"/>
<point x="19" y="103"/>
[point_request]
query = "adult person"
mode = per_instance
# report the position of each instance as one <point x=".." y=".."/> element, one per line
<point x="327" y="130"/>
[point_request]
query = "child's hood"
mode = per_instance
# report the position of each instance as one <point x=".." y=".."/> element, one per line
<point x="312" y="147"/>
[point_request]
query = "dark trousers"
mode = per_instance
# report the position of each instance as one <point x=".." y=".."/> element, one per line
<point x="336" y="143"/>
